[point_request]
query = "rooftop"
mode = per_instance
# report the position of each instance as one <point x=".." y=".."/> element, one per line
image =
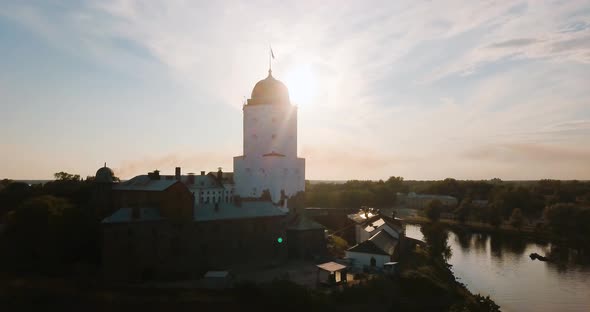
<point x="384" y="241"/>
<point x="247" y="209"/>
<point x="331" y="266"/>
<point x="124" y="215"/>
<point x="144" y="183"/>
<point x="367" y="247"/>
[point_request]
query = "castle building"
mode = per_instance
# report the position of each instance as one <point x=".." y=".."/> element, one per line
<point x="177" y="226"/>
<point x="269" y="161"/>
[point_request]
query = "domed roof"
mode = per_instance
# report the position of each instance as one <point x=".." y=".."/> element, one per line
<point x="104" y="175"/>
<point x="269" y="91"/>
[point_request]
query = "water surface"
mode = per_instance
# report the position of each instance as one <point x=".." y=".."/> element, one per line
<point x="500" y="266"/>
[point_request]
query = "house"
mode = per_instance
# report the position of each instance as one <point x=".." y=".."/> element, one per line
<point x="370" y="228"/>
<point x="375" y="252"/>
<point x="378" y="239"/>
<point x="421" y="201"/>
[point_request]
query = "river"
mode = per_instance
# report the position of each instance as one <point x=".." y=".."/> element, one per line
<point x="499" y="266"/>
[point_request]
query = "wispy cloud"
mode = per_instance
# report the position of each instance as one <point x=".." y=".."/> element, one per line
<point x="520" y="42"/>
<point x="402" y="86"/>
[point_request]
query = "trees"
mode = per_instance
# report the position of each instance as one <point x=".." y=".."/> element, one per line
<point x="436" y="238"/>
<point x="434" y="210"/>
<point x="464" y="210"/>
<point x="516" y="218"/>
<point x="495" y="215"/>
<point x="64" y="176"/>
<point x="569" y="220"/>
<point x="47" y="234"/>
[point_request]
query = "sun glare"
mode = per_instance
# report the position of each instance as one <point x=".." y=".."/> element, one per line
<point x="302" y="84"/>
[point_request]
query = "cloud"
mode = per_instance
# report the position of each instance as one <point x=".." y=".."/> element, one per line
<point x="536" y="153"/>
<point x="532" y="161"/>
<point x="514" y="43"/>
<point x="403" y="87"/>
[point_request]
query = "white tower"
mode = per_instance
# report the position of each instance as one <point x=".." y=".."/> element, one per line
<point x="269" y="160"/>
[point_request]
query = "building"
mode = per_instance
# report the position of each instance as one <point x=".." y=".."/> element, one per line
<point x="367" y="222"/>
<point x="378" y="238"/>
<point x="421" y="201"/>
<point x="269" y="161"/>
<point x="375" y="252"/>
<point x="180" y="226"/>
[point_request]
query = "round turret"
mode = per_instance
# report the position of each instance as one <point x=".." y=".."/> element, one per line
<point x="269" y="91"/>
<point x="104" y="175"/>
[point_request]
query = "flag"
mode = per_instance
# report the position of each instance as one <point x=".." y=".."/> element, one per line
<point x="271" y="53"/>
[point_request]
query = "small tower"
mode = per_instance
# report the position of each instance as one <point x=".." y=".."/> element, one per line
<point x="102" y="188"/>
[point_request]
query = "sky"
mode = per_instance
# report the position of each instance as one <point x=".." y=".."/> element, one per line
<point x="418" y="89"/>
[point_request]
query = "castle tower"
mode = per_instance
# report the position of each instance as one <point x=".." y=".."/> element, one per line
<point x="101" y="199"/>
<point x="269" y="160"/>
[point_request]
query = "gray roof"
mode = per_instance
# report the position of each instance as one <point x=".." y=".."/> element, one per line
<point x="381" y="243"/>
<point x="360" y="217"/>
<point x="247" y="209"/>
<point x="367" y="247"/>
<point x="198" y="181"/>
<point x="144" y="183"/>
<point x="384" y="241"/>
<point x="373" y="225"/>
<point x="203" y="181"/>
<point x="123" y="215"/>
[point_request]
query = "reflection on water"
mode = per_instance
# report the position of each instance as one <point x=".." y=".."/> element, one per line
<point x="499" y="266"/>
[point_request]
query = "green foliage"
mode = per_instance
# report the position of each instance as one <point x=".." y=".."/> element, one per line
<point x="337" y="246"/>
<point x="47" y="234"/>
<point x="355" y="193"/>
<point x="64" y="176"/>
<point x="434" y="210"/>
<point x="478" y="304"/>
<point x="464" y="210"/>
<point x="424" y="281"/>
<point x="569" y="220"/>
<point x="277" y="295"/>
<point x="436" y="237"/>
<point x="297" y="202"/>
<point x="516" y="218"/>
<point x="495" y="215"/>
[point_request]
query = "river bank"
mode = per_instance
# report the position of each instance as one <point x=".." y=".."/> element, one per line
<point x="499" y="265"/>
<point x="540" y="235"/>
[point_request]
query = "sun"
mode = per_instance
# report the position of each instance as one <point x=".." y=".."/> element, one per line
<point x="302" y="84"/>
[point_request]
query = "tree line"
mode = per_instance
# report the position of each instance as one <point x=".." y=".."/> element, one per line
<point x="561" y="206"/>
<point x="48" y="228"/>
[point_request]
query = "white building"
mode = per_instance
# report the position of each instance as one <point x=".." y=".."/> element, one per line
<point x="374" y="252"/>
<point x="421" y="201"/>
<point x="269" y="160"/>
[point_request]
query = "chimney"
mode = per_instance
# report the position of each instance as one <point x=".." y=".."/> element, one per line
<point x="154" y="175"/>
<point x="219" y="174"/>
<point x="177" y="173"/>
<point x="191" y="178"/>
<point x="203" y="173"/>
